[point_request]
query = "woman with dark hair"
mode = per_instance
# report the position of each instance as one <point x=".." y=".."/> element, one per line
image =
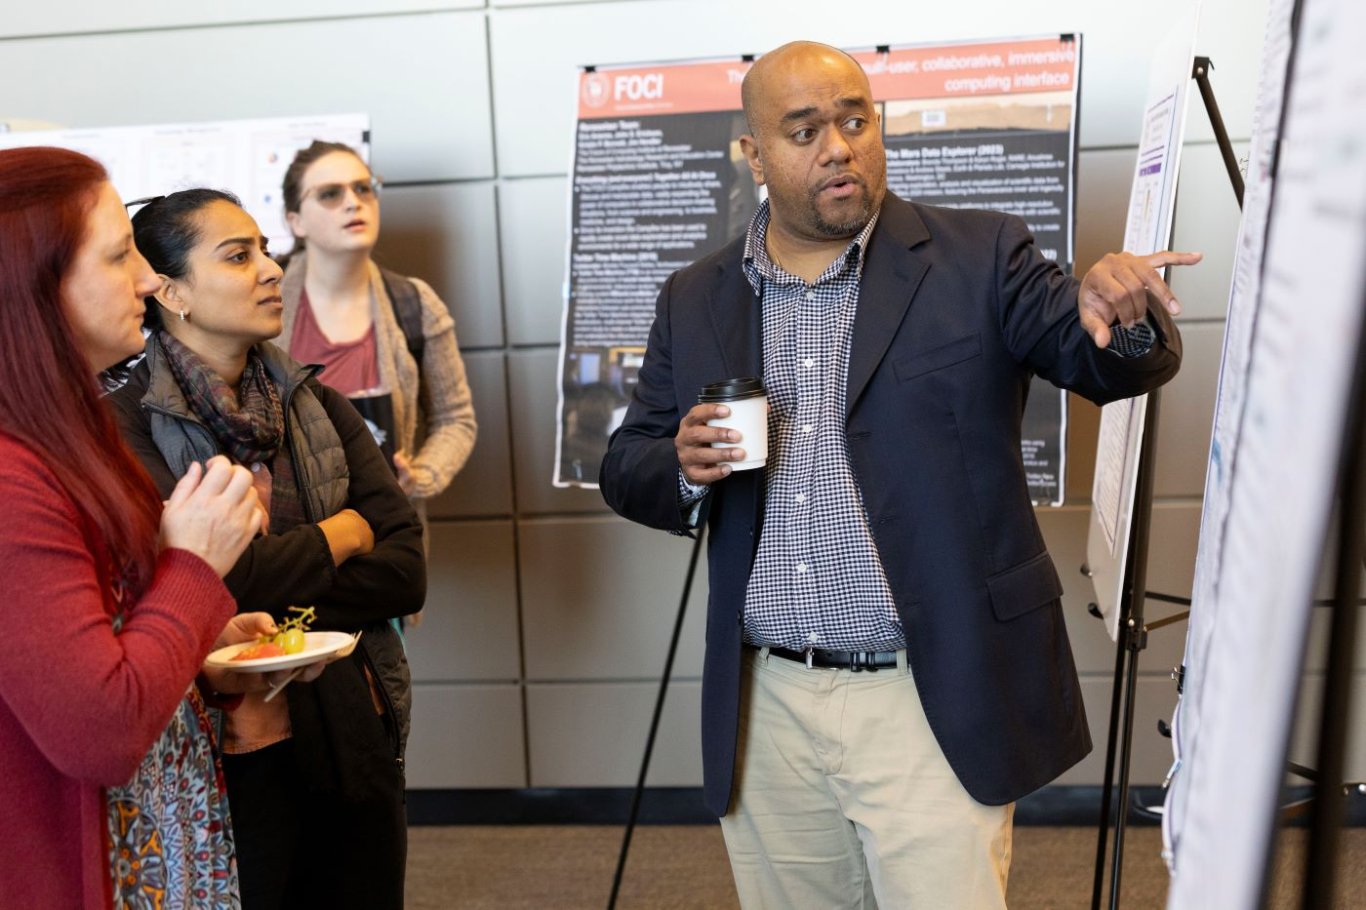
<point x="315" y="779"/>
<point x="388" y="341"/>
<point x="112" y="601"/>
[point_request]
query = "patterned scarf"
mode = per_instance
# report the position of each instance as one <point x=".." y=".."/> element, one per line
<point x="248" y="423"/>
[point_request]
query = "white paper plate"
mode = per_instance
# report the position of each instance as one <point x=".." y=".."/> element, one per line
<point x="317" y="646"/>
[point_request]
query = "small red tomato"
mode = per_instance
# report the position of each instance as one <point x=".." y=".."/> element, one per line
<point x="256" y="652"/>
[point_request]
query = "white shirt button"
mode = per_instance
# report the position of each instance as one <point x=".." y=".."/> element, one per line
<point x="809" y="362"/>
<point x="801" y="567"/>
<point x="807" y="428"/>
<point x="801" y="497"/>
<point x="810" y="295"/>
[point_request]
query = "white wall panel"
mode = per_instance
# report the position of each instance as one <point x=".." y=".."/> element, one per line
<point x="1064" y="531"/>
<point x="466" y="736"/>
<point x="64" y="17"/>
<point x="534" y="66"/>
<point x="533" y="230"/>
<point x="1320" y="628"/>
<point x="429" y="109"/>
<point x="1305" y="738"/>
<point x="447" y="235"/>
<point x="1171" y="554"/>
<point x="600" y="598"/>
<point x="1207" y="217"/>
<point x="469" y="628"/>
<point x="594" y="735"/>
<point x="1103" y="180"/>
<point x="1186" y="413"/>
<point x="484" y="486"/>
<point x="1151" y="752"/>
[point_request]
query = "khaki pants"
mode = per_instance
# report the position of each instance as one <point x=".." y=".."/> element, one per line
<point x="843" y="798"/>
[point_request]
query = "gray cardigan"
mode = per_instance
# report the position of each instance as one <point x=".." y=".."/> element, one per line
<point x="433" y="410"/>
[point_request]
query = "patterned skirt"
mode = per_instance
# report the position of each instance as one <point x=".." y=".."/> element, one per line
<point x="170" y="835"/>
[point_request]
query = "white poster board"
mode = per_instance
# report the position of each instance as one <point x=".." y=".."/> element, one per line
<point x="1228" y="406"/>
<point x="245" y="157"/>
<point x="1148" y="227"/>
<point x="1259" y="584"/>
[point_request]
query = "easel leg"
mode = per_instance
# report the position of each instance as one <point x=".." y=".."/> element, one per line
<point x="1107" y="783"/>
<point x="654" y="721"/>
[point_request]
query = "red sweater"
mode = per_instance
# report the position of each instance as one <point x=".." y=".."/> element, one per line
<point x="80" y="706"/>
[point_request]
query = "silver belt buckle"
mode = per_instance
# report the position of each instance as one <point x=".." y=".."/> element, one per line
<point x="810" y="656"/>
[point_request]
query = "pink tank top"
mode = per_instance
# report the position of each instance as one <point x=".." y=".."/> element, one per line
<point x="352" y="366"/>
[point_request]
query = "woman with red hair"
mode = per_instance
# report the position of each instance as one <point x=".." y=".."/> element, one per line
<point x="112" y="600"/>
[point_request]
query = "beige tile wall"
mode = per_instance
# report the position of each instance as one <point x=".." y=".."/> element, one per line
<point x="548" y="617"/>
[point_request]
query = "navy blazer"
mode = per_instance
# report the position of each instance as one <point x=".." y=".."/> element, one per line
<point x="957" y="310"/>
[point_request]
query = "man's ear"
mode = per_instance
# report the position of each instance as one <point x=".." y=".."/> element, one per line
<point x="749" y="146"/>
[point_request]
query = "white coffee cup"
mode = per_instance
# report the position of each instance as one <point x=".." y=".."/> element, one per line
<point x="748" y="403"/>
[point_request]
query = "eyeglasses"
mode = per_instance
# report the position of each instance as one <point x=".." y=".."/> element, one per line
<point x="331" y="195"/>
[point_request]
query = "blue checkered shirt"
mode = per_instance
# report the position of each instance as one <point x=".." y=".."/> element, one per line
<point x="817" y="579"/>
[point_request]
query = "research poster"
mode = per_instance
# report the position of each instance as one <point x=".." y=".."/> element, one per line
<point x="245" y="157"/>
<point x="1244" y="292"/>
<point x="1148" y="227"/>
<point x="1257" y="588"/>
<point x="658" y="181"/>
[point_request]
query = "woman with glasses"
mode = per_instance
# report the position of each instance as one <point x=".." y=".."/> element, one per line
<point x="112" y="599"/>
<point x="315" y="778"/>
<point x="388" y="341"/>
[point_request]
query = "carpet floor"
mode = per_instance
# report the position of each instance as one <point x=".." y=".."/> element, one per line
<point x="568" y="867"/>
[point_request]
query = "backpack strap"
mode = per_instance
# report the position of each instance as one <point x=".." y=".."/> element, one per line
<point x="407" y="304"/>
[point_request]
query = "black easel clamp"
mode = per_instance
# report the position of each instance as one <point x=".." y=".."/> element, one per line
<point x="1135" y="637"/>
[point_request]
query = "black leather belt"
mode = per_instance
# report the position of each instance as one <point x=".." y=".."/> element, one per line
<point x="841" y="660"/>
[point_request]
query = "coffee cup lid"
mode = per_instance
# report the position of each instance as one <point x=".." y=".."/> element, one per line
<point x="731" y="390"/>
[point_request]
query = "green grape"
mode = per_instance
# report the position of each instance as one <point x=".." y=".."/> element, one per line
<point x="292" y="640"/>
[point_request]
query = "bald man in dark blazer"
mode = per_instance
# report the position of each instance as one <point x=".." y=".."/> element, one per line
<point x="887" y="667"/>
